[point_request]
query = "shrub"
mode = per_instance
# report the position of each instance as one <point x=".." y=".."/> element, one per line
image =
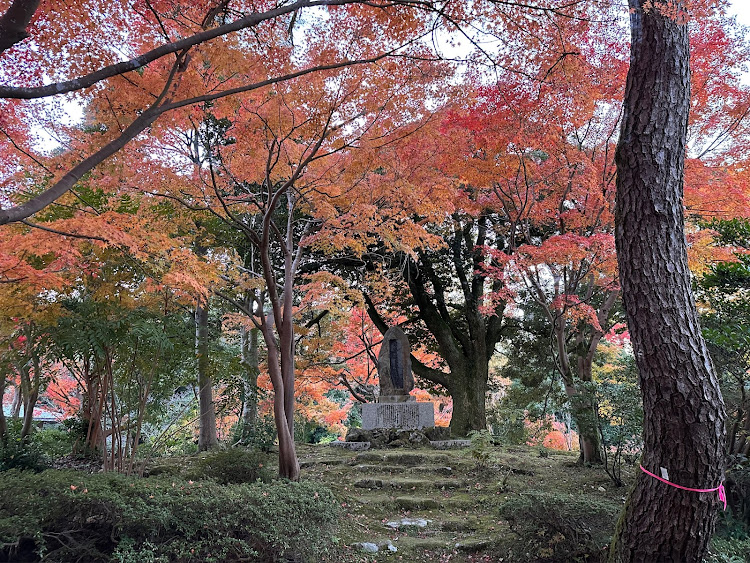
<point x="558" y="528"/>
<point x="54" y="442"/>
<point x="19" y="454"/>
<point x="260" y="436"/>
<point x="738" y="488"/>
<point x="235" y="465"/>
<point x="728" y="550"/>
<point x="66" y="516"/>
<point x="480" y="448"/>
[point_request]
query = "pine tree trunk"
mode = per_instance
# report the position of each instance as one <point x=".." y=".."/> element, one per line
<point x="207" y="438"/>
<point x="683" y="407"/>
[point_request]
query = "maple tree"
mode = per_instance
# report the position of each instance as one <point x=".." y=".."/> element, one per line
<point x="550" y="200"/>
<point x="513" y="187"/>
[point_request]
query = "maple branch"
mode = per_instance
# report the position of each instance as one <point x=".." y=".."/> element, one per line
<point x="36" y="204"/>
<point x="14" y="21"/>
<point x="21" y="7"/>
<point x="428" y="373"/>
<point x="240" y="306"/>
<point x="55" y="231"/>
<point x="345" y="382"/>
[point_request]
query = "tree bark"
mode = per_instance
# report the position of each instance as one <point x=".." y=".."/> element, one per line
<point x="14" y="21"/>
<point x="207" y="438"/>
<point x="468" y="389"/>
<point x="251" y="363"/>
<point x="683" y="406"/>
<point x="3" y="422"/>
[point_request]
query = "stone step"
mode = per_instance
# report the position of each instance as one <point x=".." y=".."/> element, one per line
<point x="450" y="444"/>
<point x="382" y="468"/>
<point x="425" y="543"/>
<point x="409" y="484"/>
<point x="406" y="524"/>
<point x="354" y="446"/>
<point x="458" y="525"/>
<point x="380" y="546"/>
<point x="421" y="544"/>
<point x="416" y="503"/>
<point x="473" y="544"/>
<point x="407" y="459"/>
<point x="312" y="462"/>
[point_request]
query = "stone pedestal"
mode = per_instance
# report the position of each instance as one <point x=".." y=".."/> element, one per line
<point x="395" y="399"/>
<point x="403" y="416"/>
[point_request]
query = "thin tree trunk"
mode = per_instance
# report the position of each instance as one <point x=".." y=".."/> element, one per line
<point x="207" y="438"/>
<point x="683" y="406"/>
<point x="3" y="422"/>
<point x="251" y="363"/>
<point x="15" y="409"/>
<point x="288" y="462"/>
<point x="582" y="405"/>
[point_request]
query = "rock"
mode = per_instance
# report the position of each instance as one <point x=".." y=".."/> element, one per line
<point x="388" y="437"/>
<point x="418" y="438"/>
<point x="408" y="523"/>
<point x="358" y="435"/>
<point x="387" y="545"/>
<point x="367" y="547"/>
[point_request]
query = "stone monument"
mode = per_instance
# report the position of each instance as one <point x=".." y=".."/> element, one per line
<point x="395" y="407"/>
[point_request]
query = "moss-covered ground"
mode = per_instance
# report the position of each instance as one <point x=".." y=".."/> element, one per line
<point x="526" y="505"/>
<point x="461" y="512"/>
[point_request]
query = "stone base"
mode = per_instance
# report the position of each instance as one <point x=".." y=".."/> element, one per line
<point x="450" y="444"/>
<point x="396" y="399"/>
<point x="402" y="416"/>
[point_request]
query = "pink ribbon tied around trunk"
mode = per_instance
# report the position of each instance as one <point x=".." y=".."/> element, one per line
<point x="719" y="489"/>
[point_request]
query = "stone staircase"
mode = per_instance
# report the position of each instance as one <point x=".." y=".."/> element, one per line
<point x="410" y="505"/>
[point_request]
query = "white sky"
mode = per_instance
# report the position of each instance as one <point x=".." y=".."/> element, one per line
<point x="742" y="10"/>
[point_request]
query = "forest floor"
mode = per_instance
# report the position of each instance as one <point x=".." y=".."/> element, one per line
<point x="415" y="505"/>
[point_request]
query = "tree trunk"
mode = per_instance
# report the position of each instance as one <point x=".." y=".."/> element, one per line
<point x="468" y="389"/>
<point x="28" y="413"/>
<point x="207" y="421"/>
<point x="683" y="407"/>
<point x="251" y="363"/>
<point x="582" y="407"/>
<point x="15" y="409"/>
<point x="583" y="412"/>
<point x="3" y="422"/>
<point x="288" y="462"/>
<point x="90" y="407"/>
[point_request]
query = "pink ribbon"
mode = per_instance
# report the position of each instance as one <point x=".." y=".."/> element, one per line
<point x="720" y="488"/>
